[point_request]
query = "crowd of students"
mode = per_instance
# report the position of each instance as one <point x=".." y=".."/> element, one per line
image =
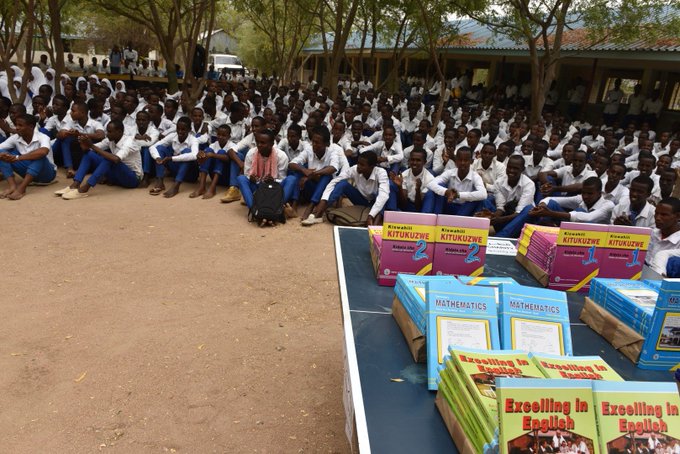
<point x="483" y="157"/>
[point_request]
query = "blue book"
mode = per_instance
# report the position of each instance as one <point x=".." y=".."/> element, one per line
<point x="661" y="350"/>
<point x="411" y="292"/>
<point x="535" y="320"/>
<point x="490" y="281"/>
<point x="460" y="316"/>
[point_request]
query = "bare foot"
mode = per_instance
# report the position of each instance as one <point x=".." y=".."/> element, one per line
<point x="172" y="192"/>
<point x="5" y="193"/>
<point x="197" y="192"/>
<point x="209" y="195"/>
<point x="156" y="190"/>
<point x="70" y="173"/>
<point x="16" y="195"/>
<point x="146" y="181"/>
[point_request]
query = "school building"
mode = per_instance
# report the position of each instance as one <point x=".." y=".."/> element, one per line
<point x="494" y="58"/>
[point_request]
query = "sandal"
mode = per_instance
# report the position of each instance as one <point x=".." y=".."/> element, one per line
<point x="156" y="191"/>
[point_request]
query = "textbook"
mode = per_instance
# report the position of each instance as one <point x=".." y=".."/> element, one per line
<point x="536" y="415"/>
<point x="578" y="256"/>
<point x="493" y="282"/>
<point x="661" y="349"/>
<point x="458" y="315"/>
<point x="632" y="415"/>
<point x="632" y="302"/>
<point x="411" y="291"/>
<point x="460" y="247"/>
<point x="479" y="370"/>
<point x="575" y="367"/>
<point x="534" y="320"/>
<point x="624" y="252"/>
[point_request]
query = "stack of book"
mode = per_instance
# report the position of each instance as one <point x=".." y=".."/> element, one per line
<point x="538" y="244"/>
<point x="632" y="302"/>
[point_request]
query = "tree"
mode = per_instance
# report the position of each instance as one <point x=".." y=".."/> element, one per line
<point x="49" y="21"/>
<point x="286" y="24"/>
<point x="543" y="24"/>
<point x="177" y="24"/>
<point x="17" y="29"/>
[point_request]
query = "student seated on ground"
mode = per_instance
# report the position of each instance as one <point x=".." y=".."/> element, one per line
<point x="636" y="210"/>
<point x="612" y="188"/>
<point x="458" y="191"/>
<point x="646" y="166"/>
<point x="571" y="177"/>
<point x="212" y="162"/>
<point x="26" y="153"/>
<point x="237" y="155"/>
<point x="116" y="158"/>
<point x="80" y="125"/>
<point x="363" y="184"/>
<point x="408" y="190"/>
<point x="262" y="164"/>
<point x="388" y="150"/>
<point x="178" y="153"/>
<point x="665" y="240"/>
<point x="513" y="192"/>
<point x="310" y="172"/>
<point x="588" y="207"/>
<point x="488" y="168"/>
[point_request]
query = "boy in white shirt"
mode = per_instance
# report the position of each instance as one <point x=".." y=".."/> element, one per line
<point x="27" y="153"/>
<point x="513" y="192"/>
<point x="665" y="240"/>
<point x="571" y="177"/>
<point x="636" y="211"/>
<point x="116" y="157"/>
<point x="388" y="150"/>
<point x="408" y="191"/>
<point x="211" y="162"/>
<point x="488" y="168"/>
<point x="80" y="125"/>
<point x="460" y="190"/>
<point x="178" y="152"/>
<point x="364" y="184"/>
<point x="312" y="170"/>
<point x="612" y="188"/>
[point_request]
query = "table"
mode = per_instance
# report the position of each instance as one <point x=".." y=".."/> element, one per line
<point x="384" y="416"/>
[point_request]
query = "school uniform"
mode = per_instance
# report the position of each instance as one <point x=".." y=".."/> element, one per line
<point x="394" y="154"/>
<point x="630" y="176"/>
<point x="42" y="170"/>
<point x="619" y="193"/>
<point x="567" y="176"/>
<point x="409" y="184"/>
<point x="645" y="218"/>
<point x="471" y="192"/>
<point x="127" y="173"/>
<point x="661" y="249"/>
<point x="62" y="147"/>
<point x="489" y="175"/>
<point x="407" y="155"/>
<point x="53" y="125"/>
<point x="247" y="187"/>
<point x="165" y="127"/>
<point x="213" y="165"/>
<point x="438" y="166"/>
<point x="373" y="191"/>
<point x="148" y="165"/>
<point x="310" y="160"/>
<point x="291" y="152"/>
<point x="183" y="153"/>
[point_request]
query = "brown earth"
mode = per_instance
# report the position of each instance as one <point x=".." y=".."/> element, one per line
<point x="133" y="323"/>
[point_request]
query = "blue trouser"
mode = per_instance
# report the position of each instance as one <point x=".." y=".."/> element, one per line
<point x="62" y="149"/>
<point x="183" y="170"/>
<point x="538" y="196"/>
<point x="41" y="169"/>
<point x="394" y="168"/>
<point x="513" y="228"/>
<point x="235" y="170"/>
<point x="148" y="164"/>
<point x="247" y="188"/>
<point x="439" y="205"/>
<point x="313" y="189"/>
<point x="345" y="188"/>
<point x="119" y="174"/>
<point x="392" y="202"/>
<point x="213" y="165"/>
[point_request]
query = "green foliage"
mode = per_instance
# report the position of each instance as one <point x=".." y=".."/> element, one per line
<point x="254" y="48"/>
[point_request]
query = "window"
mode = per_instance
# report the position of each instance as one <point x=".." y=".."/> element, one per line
<point x="479" y="75"/>
<point x="674" y="102"/>
<point x="627" y="86"/>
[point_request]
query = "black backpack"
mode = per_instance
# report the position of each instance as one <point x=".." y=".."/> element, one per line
<point x="268" y="203"/>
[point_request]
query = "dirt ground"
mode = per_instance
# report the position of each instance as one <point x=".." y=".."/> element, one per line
<point x="133" y="323"/>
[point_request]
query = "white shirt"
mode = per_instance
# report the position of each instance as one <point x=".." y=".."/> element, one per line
<point x="409" y="182"/>
<point x="343" y="163"/>
<point x="661" y="249"/>
<point x="644" y="219"/>
<point x="612" y="101"/>
<point x="128" y="150"/>
<point x="165" y="127"/>
<point x="375" y="189"/>
<point x="566" y="174"/>
<point x="281" y="163"/>
<point x="312" y="161"/>
<point x="531" y="170"/>
<point x="652" y="107"/>
<point x="172" y="140"/>
<point x="393" y="154"/>
<point x="523" y="192"/>
<point x="151" y="132"/>
<point x="90" y="127"/>
<point x="39" y="140"/>
<point x="619" y="193"/>
<point x="293" y="152"/>
<point x="599" y="213"/>
<point x="407" y="156"/>
<point x="495" y="171"/>
<point x="215" y="146"/>
<point x="470" y="189"/>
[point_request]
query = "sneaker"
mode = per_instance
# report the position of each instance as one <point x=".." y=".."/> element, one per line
<point x="61" y="192"/>
<point x="233" y="194"/>
<point x="74" y="194"/>
<point x="311" y="220"/>
<point x="288" y="211"/>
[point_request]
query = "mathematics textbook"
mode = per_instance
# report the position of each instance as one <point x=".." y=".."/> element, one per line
<point x="633" y="416"/>
<point x="546" y="416"/>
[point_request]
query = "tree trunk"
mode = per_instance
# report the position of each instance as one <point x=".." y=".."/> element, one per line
<point x="173" y="87"/>
<point x="55" y="28"/>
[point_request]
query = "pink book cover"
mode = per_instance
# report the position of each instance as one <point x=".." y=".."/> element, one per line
<point x="624" y="252"/>
<point x="460" y="247"/>
<point x="407" y="245"/>
<point x="578" y="256"/>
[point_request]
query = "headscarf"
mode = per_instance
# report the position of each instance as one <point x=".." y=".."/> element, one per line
<point x="4" y="88"/>
<point x="27" y="98"/>
<point x="119" y="90"/>
<point x="82" y="79"/>
<point x="17" y="71"/>
<point x="51" y="82"/>
<point x="107" y="82"/>
<point x="38" y="80"/>
<point x="64" y="78"/>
